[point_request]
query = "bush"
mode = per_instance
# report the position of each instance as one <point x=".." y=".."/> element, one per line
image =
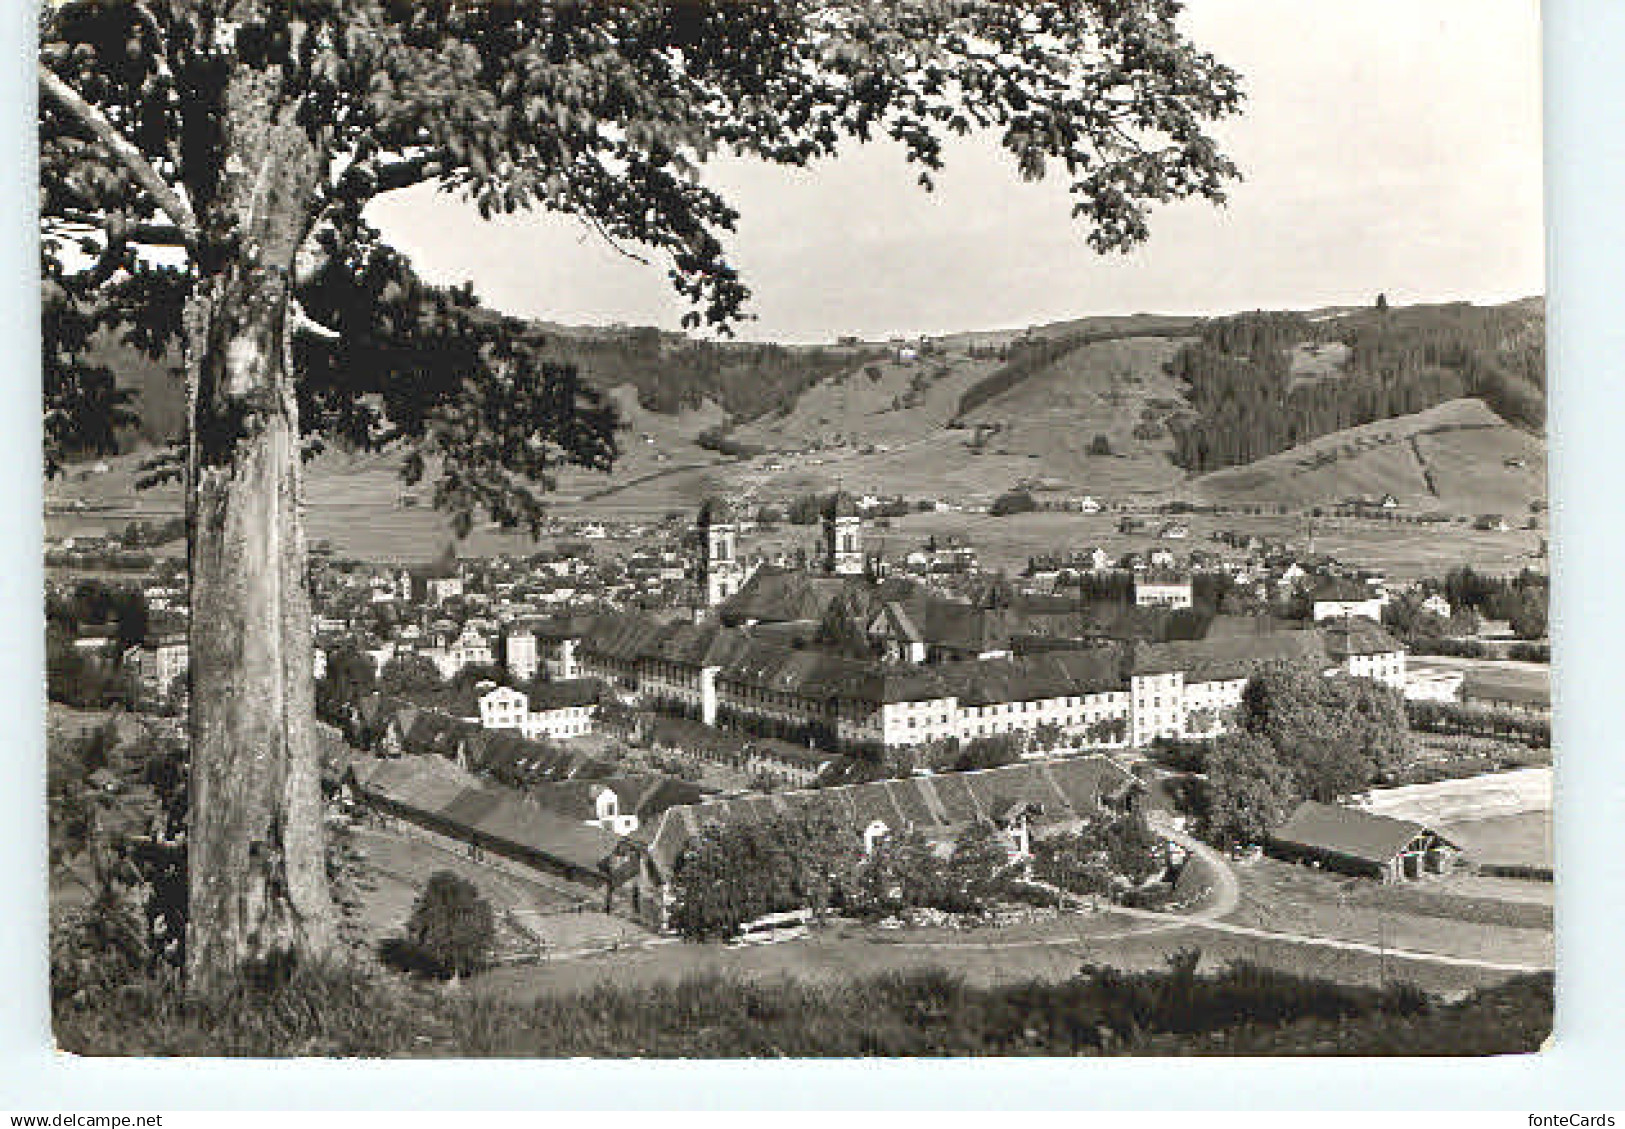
<point x="1014" y="502"/>
<point x="450" y="932"/>
<point x="1100" y="445"/>
<point x="99" y="947"/>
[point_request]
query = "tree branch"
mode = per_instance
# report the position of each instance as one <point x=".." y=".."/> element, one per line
<point x="147" y="234"/>
<point x="305" y="324"/>
<point x="124" y="152"/>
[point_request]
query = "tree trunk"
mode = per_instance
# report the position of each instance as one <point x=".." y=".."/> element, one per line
<point x="258" y="894"/>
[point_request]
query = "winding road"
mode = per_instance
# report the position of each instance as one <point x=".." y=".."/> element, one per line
<point x="1223" y="901"/>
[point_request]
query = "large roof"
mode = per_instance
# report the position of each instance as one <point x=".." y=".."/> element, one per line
<point x="1057" y="791"/>
<point x="1347" y="832"/>
<point x="781" y="595"/>
<point x="1356" y="635"/>
<point x="563" y="695"/>
<point x="1228" y="656"/>
<point x="499" y="813"/>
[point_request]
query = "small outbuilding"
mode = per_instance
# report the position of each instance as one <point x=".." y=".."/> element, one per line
<point x="1357" y="842"/>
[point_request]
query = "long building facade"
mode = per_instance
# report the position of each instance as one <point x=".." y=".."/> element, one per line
<point x="1102" y="697"/>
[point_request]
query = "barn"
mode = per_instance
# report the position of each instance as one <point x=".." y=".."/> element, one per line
<point x="1357" y="842"/>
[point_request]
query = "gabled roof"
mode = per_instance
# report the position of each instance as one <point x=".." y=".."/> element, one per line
<point x="779" y="595"/>
<point x="564" y="695"/>
<point x="1341" y="589"/>
<point x="1347" y="832"/>
<point x="491" y="810"/>
<point x="1064" y="790"/>
<point x="894" y="621"/>
<point x="1356" y="635"/>
<point x="1227" y="656"/>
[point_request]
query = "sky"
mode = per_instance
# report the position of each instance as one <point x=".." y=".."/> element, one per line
<point x="1387" y="146"/>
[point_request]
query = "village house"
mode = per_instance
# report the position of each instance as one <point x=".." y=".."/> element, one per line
<point x="1162" y="589"/>
<point x="156" y="662"/>
<point x="1340" y="598"/>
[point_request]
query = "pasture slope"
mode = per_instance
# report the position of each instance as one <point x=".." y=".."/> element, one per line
<point x="1109" y="389"/>
<point x="1458" y="457"/>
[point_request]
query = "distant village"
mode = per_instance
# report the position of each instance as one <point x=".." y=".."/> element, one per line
<point x="606" y="707"/>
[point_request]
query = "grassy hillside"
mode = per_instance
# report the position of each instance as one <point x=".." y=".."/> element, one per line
<point x="976" y="414"/>
<point x="1118" y="389"/>
<point x="883" y="401"/>
<point x="1458" y="457"/>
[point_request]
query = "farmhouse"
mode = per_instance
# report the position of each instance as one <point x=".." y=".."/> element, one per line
<point x="1350" y="841"/>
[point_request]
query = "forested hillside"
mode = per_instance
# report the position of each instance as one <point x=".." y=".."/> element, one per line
<point x="672" y="374"/>
<point x="1250" y="399"/>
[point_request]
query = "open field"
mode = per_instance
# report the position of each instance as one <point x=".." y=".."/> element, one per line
<point x="987" y="956"/>
<point x="1472" y="798"/>
<point x="1458" y="457"/>
<point x="397" y="866"/>
<point x="356" y="510"/>
<point x="1404" y="551"/>
<point x="1430" y="916"/>
<point x="1522" y="839"/>
<point x="1500" y="672"/>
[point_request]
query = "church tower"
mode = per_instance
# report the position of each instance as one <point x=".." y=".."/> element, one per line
<point x="720" y="570"/>
<point x="843" y="536"/>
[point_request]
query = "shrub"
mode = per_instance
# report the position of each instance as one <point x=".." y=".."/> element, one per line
<point x="99" y="947"/>
<point x="1100" y="445"/>
<point x="450" y="932"/>
<point x="1014" y="502"/>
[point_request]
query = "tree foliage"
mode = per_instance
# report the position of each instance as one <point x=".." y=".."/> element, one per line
<point x="409" y="673"/>
<point x="603" y="112"/>
<point x="1249" y="791"/>
<point x="451" y="928"/>
<point x="732" y="873"/>
<point x="1300" y="735"/>
<point x="348" y="678"/>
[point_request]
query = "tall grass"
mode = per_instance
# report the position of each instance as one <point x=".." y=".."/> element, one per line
<point x="1241" y="1008"/>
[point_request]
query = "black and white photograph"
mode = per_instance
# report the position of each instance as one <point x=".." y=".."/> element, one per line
<point x="815" y="529"/>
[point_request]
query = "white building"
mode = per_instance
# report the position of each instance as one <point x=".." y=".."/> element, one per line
<point x="1162" y="590"/>
<point x="558" y="710"/>
<point x="519" y="654"/>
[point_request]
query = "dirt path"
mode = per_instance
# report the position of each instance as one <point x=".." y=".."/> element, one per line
<point x="1227" y="887"/>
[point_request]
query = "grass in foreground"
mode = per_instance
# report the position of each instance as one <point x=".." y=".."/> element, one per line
<point x="1239" y="1009"/>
